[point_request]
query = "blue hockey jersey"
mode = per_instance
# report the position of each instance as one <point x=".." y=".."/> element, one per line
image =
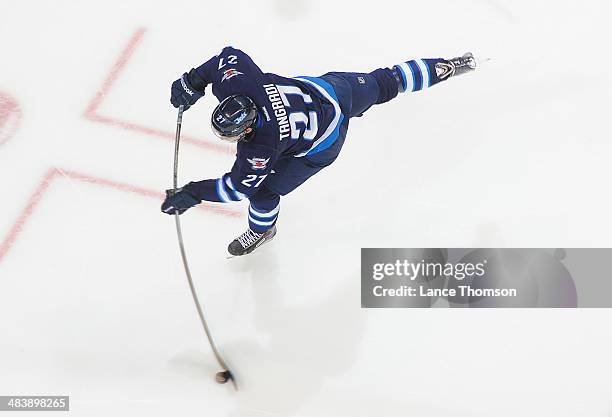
<point x="297" y="117"/>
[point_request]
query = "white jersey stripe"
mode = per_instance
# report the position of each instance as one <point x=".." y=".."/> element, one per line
<point x="221" y="191"/>
<point x="424" y="73"/>
<point x="332" y="126"/>
<point x="260" y="223"/>
<point x="238" y="194"/>
<point x="270" y="213"/>
<point x="409" y="77"/>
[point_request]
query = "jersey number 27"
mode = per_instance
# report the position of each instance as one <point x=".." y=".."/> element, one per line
<point x="297" y="119"/>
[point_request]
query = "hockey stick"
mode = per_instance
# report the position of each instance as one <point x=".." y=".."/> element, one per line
<point x="224" y="375"/>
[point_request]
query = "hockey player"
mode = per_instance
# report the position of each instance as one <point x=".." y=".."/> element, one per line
<point x="286" y="129"/>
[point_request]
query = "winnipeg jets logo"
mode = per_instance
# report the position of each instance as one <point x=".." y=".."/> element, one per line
<point x="258" y="163"/>
<point x="240" y="118"/>
<point x="230" y="73"/>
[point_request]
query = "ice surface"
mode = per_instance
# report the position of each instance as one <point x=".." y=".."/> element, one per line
<point x="93" y="299"/>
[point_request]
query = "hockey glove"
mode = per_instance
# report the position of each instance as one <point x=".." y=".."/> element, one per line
<point x="179" y="201"/>
<point x="187" y="90"/>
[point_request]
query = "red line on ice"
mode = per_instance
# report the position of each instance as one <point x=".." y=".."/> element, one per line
<point x="10" y="116"/>
<point x="55" y="173"/>
<point x="10" y="239"/>
<point x="117" y="68"/>
<point x="91" y="112"/>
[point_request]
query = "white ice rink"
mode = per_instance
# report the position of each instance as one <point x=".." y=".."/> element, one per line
<point x="93" y="299"/>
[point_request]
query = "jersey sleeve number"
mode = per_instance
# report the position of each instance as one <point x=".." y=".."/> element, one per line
<point x="232" y="60"/>
<point x="248" y="181"/>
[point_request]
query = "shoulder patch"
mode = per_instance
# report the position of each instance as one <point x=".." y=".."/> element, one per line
<point x="230" y="73"/>
<point x="258" y="163"/>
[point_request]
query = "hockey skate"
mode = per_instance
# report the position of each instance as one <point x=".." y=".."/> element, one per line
<point x="456" y="66"/>
<point x="249" y="241"/>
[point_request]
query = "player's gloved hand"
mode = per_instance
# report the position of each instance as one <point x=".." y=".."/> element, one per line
<point x="179" y="201"/>
<point x="187" y="90"/>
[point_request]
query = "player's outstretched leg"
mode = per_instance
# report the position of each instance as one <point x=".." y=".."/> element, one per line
<point x="419" y="74"/>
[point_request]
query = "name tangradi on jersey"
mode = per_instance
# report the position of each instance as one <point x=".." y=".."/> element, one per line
<point x="279" y="110"/>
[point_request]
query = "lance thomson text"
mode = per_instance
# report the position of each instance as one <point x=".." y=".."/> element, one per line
<point x="461" y="291"/>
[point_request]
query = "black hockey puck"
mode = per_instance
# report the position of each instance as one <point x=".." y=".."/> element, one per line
<point x="223" y="376"/>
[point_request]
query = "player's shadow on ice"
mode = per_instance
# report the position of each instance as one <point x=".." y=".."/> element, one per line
<point x="306" y="345"/>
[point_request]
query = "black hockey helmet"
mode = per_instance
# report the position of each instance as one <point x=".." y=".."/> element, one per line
<point x="233" y="116"/>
